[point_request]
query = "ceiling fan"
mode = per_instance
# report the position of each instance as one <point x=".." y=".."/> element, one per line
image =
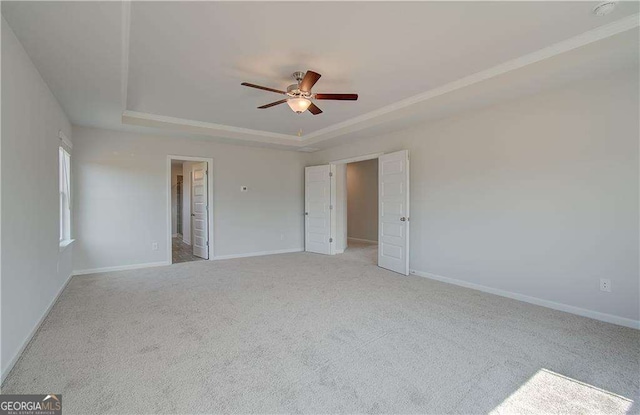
<point x="299" y="95"/>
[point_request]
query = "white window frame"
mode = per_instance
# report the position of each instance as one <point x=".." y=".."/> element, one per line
<point x="64" y="187"/>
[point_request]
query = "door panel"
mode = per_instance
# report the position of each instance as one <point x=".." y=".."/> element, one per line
<point x="199" y="211"/>
<point x="393" y="199"/>
<point x="317" y="189"/>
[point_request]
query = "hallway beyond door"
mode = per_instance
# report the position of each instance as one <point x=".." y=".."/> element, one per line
<point x="181" y="252"/>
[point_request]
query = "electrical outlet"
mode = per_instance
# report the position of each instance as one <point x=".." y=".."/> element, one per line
<point x="605" y="285"/>
<point x="244" y="189"/>
<point x="154" y="246"/>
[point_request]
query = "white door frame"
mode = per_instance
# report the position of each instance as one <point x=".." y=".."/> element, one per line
<point x="356" y="159"/>
<point x="336" y="200"/>
<point x="209" y="162"/>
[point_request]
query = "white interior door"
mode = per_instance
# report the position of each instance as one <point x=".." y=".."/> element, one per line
<point x="317" y="201"/>
<point x="199" y="210"/>
<point x="393" y="211"/>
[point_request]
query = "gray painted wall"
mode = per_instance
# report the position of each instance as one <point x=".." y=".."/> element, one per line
<point x="33" y="268"/>
<point x="121" y="197"/>
<point x="362" y="200"/>
<point x="537" y="196"/>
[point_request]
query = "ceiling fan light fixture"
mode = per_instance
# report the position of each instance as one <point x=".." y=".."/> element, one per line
<point x="299" y="95"/>
<point x="298" y="105"/>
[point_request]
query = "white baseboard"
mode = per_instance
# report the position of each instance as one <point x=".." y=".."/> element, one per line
<point x="16" y="357"/>
<point x="185" y="242"/>
<point x="250" y="254"/>
<point x="120" y="268"/>
<point x="339" y="251"/>
<point x="609" y="318"/>
<point x="175" y="235"/>
<point x="362" y="240"/>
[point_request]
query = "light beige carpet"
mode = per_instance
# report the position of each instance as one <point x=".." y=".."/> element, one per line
<point x="318" y="334"/>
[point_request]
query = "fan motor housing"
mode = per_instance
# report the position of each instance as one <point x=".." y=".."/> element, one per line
<point x="294" y="91"/>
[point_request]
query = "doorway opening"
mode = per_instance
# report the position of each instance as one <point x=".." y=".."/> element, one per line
<point x="326" y="209"/>
<point x="190" y="217"/>
<point x="361" y="216"/>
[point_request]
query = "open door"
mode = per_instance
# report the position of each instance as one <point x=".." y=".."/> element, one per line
<point x="393" y="211"/>
<point x="317" y="208"/>
<point x="199" y="211"/>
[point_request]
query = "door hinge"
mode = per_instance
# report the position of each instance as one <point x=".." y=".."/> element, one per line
<point x="330" y="207"/>
<point x="207" y="243"/>
<point x="330" y="240"/>
<point x="330" y="174"/>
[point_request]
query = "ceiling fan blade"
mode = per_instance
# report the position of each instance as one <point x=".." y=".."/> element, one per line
<point x="273" y="104"/>
<point x="340" y="97"/>
<point x="309" y="80"/>
<point x="314" y="109"/>
<point x="264" y="88"/>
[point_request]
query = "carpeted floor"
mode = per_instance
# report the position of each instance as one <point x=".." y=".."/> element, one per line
<point x="318" y="334"/>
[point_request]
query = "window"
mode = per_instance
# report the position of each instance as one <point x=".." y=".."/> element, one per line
<point x="64" y="165"/>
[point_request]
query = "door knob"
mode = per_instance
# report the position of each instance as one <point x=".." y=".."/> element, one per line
<point x="306" y="213"/>
<point x="193" y="214"/>
<point x="403" y="219"/>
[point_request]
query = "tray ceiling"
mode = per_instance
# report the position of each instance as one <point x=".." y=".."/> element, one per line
<point x="180" y="64"/>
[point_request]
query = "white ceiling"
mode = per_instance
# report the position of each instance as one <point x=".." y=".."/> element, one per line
<point x="179" y="65"/>
<point x="608" y="57"/>
<point x="78" y="50"/>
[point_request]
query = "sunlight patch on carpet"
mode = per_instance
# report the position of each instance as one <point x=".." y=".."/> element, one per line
<point x="550" y="392"/>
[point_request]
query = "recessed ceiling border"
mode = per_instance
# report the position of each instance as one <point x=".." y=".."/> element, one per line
<point x="556" y="49"/>
<point x="207" y="128"/>
<point x="371" y="118"/>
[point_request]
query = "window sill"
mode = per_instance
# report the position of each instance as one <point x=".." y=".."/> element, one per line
<point x="65" y="244"/>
